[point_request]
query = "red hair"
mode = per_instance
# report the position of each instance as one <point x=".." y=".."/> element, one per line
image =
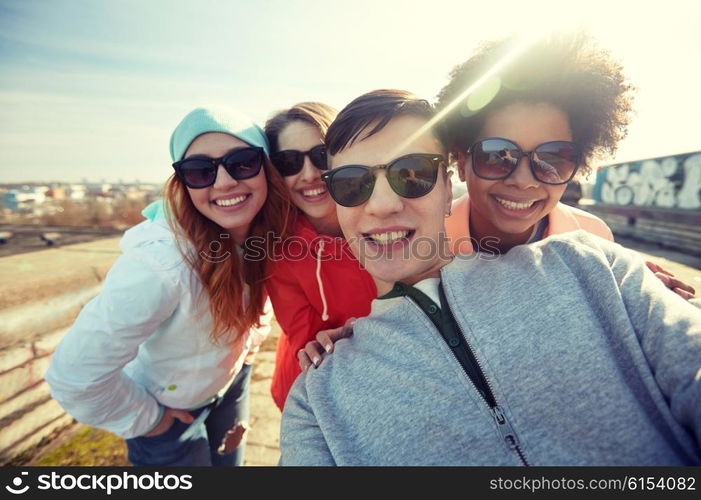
<point x="226" y="273"/>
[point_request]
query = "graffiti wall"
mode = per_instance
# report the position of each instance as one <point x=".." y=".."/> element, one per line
<point x="665" y="182"/>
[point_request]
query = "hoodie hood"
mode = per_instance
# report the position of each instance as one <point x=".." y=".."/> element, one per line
<point x="154" y="211"/>
<point x="146" y="232"/>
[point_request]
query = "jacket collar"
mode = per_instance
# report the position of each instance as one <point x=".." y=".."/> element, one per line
<point x="560" y="220"/>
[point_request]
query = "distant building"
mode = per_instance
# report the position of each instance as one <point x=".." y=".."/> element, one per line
<point x="137" y="194"/>
<point x="77" y="192"/>
<point x="25" y="199"/>
<point x="38" y="199"/>
<point x="57" y="193"/>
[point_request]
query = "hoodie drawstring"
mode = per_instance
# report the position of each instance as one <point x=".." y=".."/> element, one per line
<point x="324" y="314"/>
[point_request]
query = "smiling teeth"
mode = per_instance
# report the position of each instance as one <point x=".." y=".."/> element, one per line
<point x="313" y="192"/>
<point x="230" y="202"/>
<point x="390" y="237"/>
<point x="515" y="206"/>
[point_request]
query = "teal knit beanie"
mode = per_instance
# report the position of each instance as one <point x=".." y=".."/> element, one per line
<point x="202" y="120"/>
<point x="198" y="122"/>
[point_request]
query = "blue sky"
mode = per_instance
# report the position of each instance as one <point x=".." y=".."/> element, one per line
<point x="92" y="89"/>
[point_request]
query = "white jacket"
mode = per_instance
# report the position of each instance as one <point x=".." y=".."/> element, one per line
<point x="143" y="343"/>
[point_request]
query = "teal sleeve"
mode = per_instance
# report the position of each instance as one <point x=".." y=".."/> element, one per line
<point x="154" y="211"/>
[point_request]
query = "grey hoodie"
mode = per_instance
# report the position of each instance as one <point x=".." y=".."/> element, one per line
<point x="591" y="360"/>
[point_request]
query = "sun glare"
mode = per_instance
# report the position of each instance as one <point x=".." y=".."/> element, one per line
<point x="479" y="90"/>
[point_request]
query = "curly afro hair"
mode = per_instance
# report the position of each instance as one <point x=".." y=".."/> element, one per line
<point x="568" y="71"/>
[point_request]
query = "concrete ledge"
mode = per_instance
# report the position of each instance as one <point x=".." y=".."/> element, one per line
<point x="30" y="441"/>
<point x="13" y="357"/>
<point x="40" y="296"/>
<point x="33" y="277"/>
<point x="675" y="229"/>
<point x="23" y="366"/>
<point x="688" y="217"/>
<point x="15" y="406"/>
<point x="47" y="315"/>
<point x="26" y="432"/>
<point x="23" y="377"/>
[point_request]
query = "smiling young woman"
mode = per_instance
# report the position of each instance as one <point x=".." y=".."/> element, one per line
<point x="560" y="106"/>
<point x="159" y="357"/>
<point x="315" y="282"/>
<point x="564" y="90"/>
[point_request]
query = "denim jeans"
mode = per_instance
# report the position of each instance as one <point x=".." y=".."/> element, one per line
<point x="197" y="443"/>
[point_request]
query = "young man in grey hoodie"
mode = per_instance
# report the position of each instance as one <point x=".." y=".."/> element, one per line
<point x="564" y="352"/>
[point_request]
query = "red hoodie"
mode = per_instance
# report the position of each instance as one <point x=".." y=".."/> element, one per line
<point x="317" y="284"/>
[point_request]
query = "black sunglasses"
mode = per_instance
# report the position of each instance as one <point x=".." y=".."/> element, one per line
<point x="290" y="161"/>
<point x="553" y="162"/>
<point x="201" y="171"/>
<point x="410" y="176"/>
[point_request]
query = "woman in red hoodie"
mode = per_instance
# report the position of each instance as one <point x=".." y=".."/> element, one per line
<point x="315" y="282"/>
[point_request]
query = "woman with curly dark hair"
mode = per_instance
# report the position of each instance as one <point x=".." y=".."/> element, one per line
<point x="522" y="135"/>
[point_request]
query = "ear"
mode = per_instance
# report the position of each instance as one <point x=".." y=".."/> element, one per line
<point x="462" y="165"/>
<point x="449" y="192"/>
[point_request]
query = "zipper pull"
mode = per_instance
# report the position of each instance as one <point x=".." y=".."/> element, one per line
<point x="507" y="432"/>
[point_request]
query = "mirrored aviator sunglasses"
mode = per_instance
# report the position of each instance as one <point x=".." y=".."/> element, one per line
<point x="290" y="161"/>
<point x="410" y="176"/>
<point x="200" y="171"/>
<point x="553" y="162"/>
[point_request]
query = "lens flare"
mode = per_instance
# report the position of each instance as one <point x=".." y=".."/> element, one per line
<point x="481" y="85"/>
<point x="483" y="95"/>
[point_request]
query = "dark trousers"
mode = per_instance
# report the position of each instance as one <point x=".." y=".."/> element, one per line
<point x="197" y="443"/>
